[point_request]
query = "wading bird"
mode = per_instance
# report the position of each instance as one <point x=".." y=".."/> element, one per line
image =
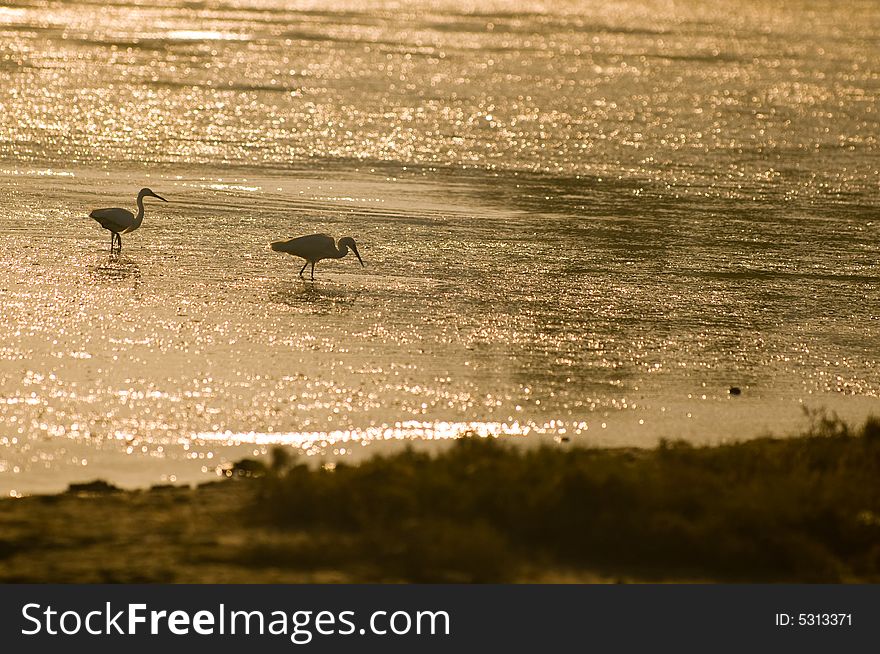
<point x="122" y="221"/>
<point x="315" y="247"/>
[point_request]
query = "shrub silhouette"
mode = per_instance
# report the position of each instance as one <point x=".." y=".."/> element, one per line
<point x="802" y="509"/>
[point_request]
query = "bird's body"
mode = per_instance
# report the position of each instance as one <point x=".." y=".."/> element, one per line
<point x="118" y="221"/>
<point x="315" y="247"/>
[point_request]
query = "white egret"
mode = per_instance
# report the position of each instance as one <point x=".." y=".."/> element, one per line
<point x="122" y="221"/>
<point x="315" y="247"/>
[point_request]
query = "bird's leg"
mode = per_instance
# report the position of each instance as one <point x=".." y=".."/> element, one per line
<point x="112" y="241"/>
<point x="119" y="243"/>
<point x="313" y="271"/>
<point x="303" y="269"/>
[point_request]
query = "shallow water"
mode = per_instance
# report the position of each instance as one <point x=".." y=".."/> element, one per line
<point x="581" y="223"/>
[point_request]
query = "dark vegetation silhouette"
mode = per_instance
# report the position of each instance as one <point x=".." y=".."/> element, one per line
<point x="802" y="509"/>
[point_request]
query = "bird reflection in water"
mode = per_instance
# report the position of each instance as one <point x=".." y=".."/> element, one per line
<point x="115" y="269"/>
<point x="314" y="298"/>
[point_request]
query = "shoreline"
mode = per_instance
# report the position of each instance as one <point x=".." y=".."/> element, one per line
<point x="108" y="460"/>
<point x="723" y="513"/>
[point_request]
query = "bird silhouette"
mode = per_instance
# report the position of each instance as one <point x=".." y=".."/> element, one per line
<point x="315" y="247"/>
<point x="122" y="221"/>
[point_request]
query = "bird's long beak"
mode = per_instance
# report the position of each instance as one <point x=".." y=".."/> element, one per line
<point x="160" y="197"/>
<point x="357" y="254"/>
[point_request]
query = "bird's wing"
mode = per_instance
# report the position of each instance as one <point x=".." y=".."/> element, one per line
<point x="311" y="246"/>
<point x="114" y="219"/>
<point x="316" y="241"/>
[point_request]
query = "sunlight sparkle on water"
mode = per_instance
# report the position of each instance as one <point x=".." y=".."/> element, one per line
<point x="204" y="35"/>
<point x="311" y="442"/>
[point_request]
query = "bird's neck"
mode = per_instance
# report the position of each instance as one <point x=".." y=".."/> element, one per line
<point x="341" y="251"/>
<point x="139" y="218"/>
